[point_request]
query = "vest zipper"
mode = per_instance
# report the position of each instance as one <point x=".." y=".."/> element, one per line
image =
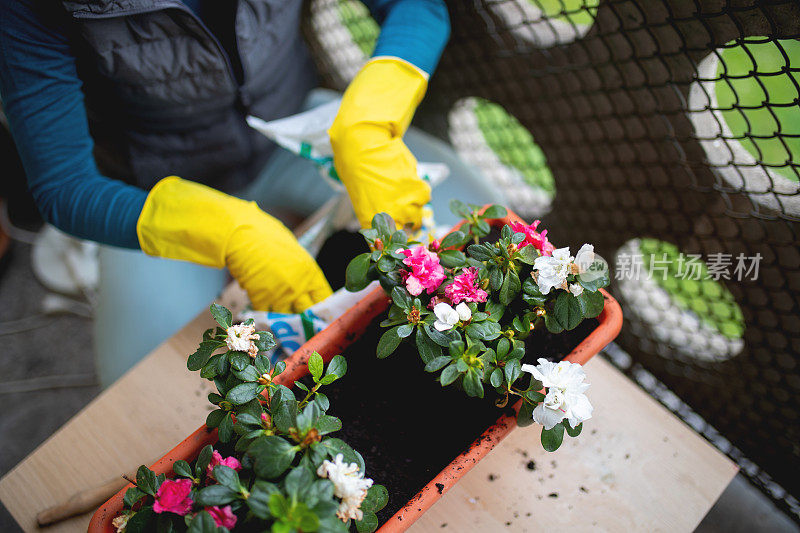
<point x="183" y="8"/>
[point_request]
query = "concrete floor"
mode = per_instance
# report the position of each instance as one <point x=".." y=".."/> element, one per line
<point x="47" y="375"/>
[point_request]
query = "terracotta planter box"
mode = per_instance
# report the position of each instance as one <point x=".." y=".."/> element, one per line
<point x="332" y="341"/>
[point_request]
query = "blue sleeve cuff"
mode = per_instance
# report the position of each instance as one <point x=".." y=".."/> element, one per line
<point x="414" y="30"/>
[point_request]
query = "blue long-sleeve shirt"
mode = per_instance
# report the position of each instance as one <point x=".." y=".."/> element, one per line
<point x="43" y="101"/>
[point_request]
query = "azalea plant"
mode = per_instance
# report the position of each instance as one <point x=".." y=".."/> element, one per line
<point x="470" y="313"/>
<point x="276" y="466"/>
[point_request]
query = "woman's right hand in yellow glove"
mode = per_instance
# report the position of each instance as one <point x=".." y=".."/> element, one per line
<point x="191" y="222"/>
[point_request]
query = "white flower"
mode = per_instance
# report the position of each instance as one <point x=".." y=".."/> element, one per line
<point x="121" y="521"/>
<point x="584" y="258"/>
<point x="553" y="270"/>
<point x="348" y="484"/>
<point x="565" y="398"/>
<point x="576" y="289"/>
<point x="241" y="337"/>
<point x="447" y="317"/>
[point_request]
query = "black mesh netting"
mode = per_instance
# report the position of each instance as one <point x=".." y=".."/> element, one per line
<point x="666" y="133"/>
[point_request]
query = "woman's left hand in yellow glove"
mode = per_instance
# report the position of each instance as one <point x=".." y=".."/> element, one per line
<point x="376" y="167"/>
<point x="191" y="222"/>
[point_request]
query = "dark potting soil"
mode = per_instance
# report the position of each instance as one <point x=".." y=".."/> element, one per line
<point x="336" y="253"/>
<point x="405" y="424"/>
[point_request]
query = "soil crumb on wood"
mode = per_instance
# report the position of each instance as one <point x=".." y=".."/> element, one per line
<point x="531" y="465"/>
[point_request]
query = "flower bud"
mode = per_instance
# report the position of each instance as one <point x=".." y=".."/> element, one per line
<point x="378" y="244"/>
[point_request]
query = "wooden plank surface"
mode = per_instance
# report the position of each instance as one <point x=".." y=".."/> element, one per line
<point x="637" y="468"/>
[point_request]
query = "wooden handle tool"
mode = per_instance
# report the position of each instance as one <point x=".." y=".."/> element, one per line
<point x="82" y="502"/>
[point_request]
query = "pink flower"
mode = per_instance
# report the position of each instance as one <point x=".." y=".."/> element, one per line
<point x="173" y="497"/>
<point x="538" y="240"/>
<point x="426" y="272"/>
<point x="216" y="459"/>
<point x="224" y="517"/>
<point x="464" y="289"/>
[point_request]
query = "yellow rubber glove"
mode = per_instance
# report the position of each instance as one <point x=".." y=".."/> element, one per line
<point x="378" y="170"/>
<point x="191" y="222"/>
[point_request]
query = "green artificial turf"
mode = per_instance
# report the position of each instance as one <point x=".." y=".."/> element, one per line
<point x="362" y="27"/>
<point x="578" y="12"/>
<point x="707" y="298"/>
<point x="513" y="144"/>
<point x="760" y="100"/>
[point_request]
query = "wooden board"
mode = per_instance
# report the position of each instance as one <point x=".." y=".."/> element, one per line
<point x="636" y="468"/>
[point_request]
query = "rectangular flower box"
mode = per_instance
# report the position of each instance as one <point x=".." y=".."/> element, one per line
<point x="334" y="340"/>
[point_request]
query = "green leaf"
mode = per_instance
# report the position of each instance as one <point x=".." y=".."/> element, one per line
<point x="203" y="459"/>
<point x="133" y="495"/>
<point x="510" y="287"/>
<point x="146" y="480"/>
<point x="552" y="438"/>
<point x="527" y="255"/>
<point x="472" y="383"/>
<point x="436" y="363"/>
<point x="330" y="378"/>
<point x="272" y="455"/>
<point x="250" y="373"/>
<point x="496" y="310"/>
<point x="567" y="310"/>
<point x="452" y="258"/>
<point x="591" y="303"/>
<point x="453" y="239"/>
<point x="182" y="468"/>
<point x="405" y="330"/>
<point x="376" y="499"/>
<point x="368" y="523"/>
<point x="297" y="481"/>
<point x="226" y="428"/>
<point x="386" y="263"/>
<point x="488" y="330"/>
<point x="525" y="415"/>
<point x="222" y="315"/>
<point x="227" y="477"/>
<point x="215" y="417"/>
<point x="384" y="224"/>
<point x="356" y="272"/>
<point x="216" y="494"/>
<point x="259" y="498"/>
<point x="534" y="396"/>
<point x="449" y="375"/>
<point x="496" y="377"/>
<point x="512" y="371"/>
<point x="572" y="432"/>
<point x="428" y="350"/>
<point x="315" y="366"/>
<point x="459" y="208"/>
<point x="496" y="278"/>
<point x="441" y="338"/>
<point x="248" y="419"/>
<point x="328" y="424"/>
<point x="482" y="228"/>
<point x="265" y="341"/>
<point x="401" y="297"/>
<point x="142" y="522"/>
<point x="239" y="360"/>
<point x="495" y="211"/>
<point x="337" y="366"/>
<point x="553" y="325"/>
<point x="204" y="351"/>
<point x="243" y="393"/>
<point x="336" y="446"/>
<point x="388" y="342"/>
<point x="479" y="252"/>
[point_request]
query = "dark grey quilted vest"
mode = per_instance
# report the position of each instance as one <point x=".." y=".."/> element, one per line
<point x="163" y="98"/>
